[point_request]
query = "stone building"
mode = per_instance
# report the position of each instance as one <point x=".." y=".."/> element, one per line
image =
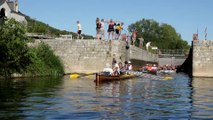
<point x="12" y="10"/>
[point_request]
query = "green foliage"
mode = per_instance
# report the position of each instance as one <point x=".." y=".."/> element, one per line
<point x="14" y="51"/>
<point x="44" y="62"/>
<point x="17" y="57"/>
<point x="35" y="26"/>
<point x="163" y="36"/>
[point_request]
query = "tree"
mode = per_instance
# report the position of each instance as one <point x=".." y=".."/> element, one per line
<point x="163" y="36"/>
<point x="14" y="54"/>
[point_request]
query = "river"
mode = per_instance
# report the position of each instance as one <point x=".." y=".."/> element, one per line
<point x="79" y="99"/>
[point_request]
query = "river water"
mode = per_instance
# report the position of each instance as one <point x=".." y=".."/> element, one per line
<point x="79" y="99"/>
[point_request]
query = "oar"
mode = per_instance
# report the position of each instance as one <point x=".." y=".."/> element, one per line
<point x="79" y="75"/>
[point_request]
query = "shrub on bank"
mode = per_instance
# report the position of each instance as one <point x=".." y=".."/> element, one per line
<point x="17" y="58"/>
<point x="44" y="62"/>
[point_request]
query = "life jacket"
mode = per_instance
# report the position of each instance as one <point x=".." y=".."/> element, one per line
<point x="149" y="68"/>
<point x="118" y="27"/>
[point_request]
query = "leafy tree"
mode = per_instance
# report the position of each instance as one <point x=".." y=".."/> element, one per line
<point x="163" y="36"/>
<point x="14" y="54"/>
<point x="17" y="57"/>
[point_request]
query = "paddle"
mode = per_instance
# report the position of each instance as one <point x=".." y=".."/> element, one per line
<point x="80" y="75"/>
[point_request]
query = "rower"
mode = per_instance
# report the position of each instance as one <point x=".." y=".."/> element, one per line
<point x="116" y="69"/>
<point x="129" y="65"/>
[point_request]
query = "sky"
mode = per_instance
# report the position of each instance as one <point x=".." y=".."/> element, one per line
<point x="186" y="16"/>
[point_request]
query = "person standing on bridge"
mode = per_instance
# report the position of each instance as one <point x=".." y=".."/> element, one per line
<point x="111" y="29"/>
<point x="98" y="28"/>
<point x="134" y="36"/>
<point x="102" y="29"/>
<point x="79" y="30"/>
<point x="148" y="45"/>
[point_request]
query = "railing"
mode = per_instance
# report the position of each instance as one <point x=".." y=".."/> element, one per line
<point x="172" y="53"/>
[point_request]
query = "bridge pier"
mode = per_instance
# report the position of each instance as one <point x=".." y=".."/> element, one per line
<point x="202" y="58"/>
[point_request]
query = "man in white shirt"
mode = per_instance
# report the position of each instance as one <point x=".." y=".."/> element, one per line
<point x="148" y="45"/>
<point x="102" y="29"/>
<point x="129" y="65"/>
<point x="79" y="30"/>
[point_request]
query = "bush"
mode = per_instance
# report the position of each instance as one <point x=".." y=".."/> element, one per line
<point x="14" y="51"/>
<point x="44" y="62"/>
<point x="17" y="57"/>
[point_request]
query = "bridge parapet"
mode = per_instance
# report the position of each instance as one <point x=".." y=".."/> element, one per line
<point x="202" y="42"/>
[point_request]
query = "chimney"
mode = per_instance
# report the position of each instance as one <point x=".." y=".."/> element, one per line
<point x="13" y="4"/>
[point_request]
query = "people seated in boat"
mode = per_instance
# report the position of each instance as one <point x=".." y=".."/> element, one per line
<point x="154" y="69"/>
<point x="116" y="69"/>
<point x="126" y="65"/>
<point x="108" y="71"/>
<point x="113" y="62"/>
<point x="149" y="67"/>
<point x="144" y="68"/>
<point x="167" y="69"/>
<point x="129" y="65"/>
<point x="122" y="68"/>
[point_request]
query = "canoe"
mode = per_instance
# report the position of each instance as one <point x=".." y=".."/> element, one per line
<point x="103" y="78"/>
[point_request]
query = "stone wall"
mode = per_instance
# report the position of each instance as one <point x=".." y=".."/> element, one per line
<point x="92" y="55"/>
<point x="202" y="58"/>
<point x="171" y="61"/>
<point x="140" y="54"/>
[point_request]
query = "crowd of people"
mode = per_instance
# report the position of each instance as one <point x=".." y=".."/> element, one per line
<point x="113" y="27"/>
<point x="153" y="68"/>
<point x="117" y="68"/>
<point x="114" y="30"/>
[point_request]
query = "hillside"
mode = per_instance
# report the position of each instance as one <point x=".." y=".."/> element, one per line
<point x="35" y="26"/>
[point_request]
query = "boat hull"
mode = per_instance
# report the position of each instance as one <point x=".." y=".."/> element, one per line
<point x="103" y="78"/>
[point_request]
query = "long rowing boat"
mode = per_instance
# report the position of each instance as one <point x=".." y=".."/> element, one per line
<point x="104" y="78"/>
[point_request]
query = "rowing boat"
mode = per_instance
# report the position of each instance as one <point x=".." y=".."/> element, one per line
<point x="104" y="78"/>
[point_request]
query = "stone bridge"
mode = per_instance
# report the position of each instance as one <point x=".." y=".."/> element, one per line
<point x="92" y="55"/>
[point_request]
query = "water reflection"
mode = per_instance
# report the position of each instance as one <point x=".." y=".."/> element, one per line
<point x="145" y="98"/>
<point x="202" y="98"/>
<point x="20" y="97"/>
<point x="139" y="98"/>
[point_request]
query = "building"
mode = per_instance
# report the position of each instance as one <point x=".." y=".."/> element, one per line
<point x="12" y="10"/>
